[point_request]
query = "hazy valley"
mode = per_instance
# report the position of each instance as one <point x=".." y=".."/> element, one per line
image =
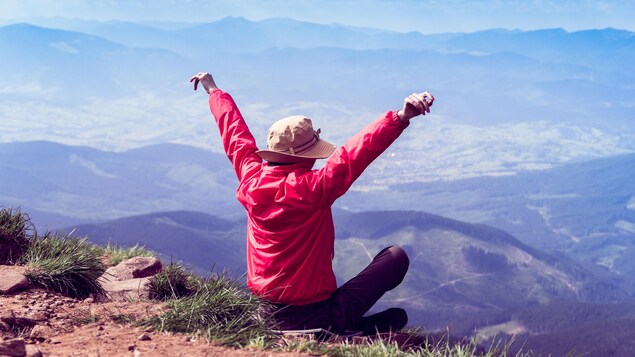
<point x="500" y="109"/>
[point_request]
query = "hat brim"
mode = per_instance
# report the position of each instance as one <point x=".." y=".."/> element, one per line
<point x="321" y="150"/>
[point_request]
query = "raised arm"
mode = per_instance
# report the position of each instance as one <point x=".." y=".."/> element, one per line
<point x="239" y="144"/>
<point x="350" y="160"/>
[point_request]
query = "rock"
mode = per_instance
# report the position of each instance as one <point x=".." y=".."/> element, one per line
<point x="132" y="289"/>
<point x="4" y="335"/>
<point x="15" y="347"/>
<point x="137" y="267"/>
<point x="39" y="315"/>
<point x="88" y="300"/>
<point x="144" y="337"/>
<point x="32" y="351"/>
<point x="8" y="316"/>
<point x="40" y="332"/>
<point x="12" y="281"/>
<point x="62" y="315"/>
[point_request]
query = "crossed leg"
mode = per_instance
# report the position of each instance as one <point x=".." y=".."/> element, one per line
<point x="353" y="299"/>
<point x="345" y="309"/>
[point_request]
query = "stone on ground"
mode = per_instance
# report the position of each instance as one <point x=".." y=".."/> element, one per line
<point x="12" y="280"/>
<point x="41" y="332"/>
<point x="14" y="348"/>
<point x="126" y="290"/>
<point x="137" y="267"/>
<point x="129" y="279"/>
<point x="32" y="351"/>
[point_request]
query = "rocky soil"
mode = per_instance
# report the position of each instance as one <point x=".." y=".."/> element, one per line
<point x="34" y="322"/>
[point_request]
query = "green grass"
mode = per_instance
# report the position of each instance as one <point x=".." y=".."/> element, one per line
<point x="123" y="319"/>
<point x="117" y="254"/>
<point x="347" y="349"/>
<point x="381" y="347"/>
<point x="220" y="310"/>
<point x="171" y="283"/>
<point x="67" y="265"/>
<point x="85" y="319"/>
<point x="15" y="231"/>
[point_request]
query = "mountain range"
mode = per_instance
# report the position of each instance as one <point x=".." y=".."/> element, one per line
<point x="481" y="78"/>
<point x="65" y="183"/>
<point x="583" y="210"/>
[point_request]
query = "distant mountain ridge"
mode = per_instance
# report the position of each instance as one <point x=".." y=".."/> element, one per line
<point x="59" y="59"/>
<point x="95" y="185"/>
<point x="549" y="44"/>
<point x="203" y="241"/>
<point x="590" y="202"/>
<point x="509" y="74"/>
<point x="581" y="209"/>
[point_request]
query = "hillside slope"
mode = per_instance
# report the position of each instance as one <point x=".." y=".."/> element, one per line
<point x="90" y="184"/>
<point x="460" y="273"/>
<point x="584" y="209"/>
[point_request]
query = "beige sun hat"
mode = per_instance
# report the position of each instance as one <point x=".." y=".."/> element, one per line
<point x="292" y="139"/>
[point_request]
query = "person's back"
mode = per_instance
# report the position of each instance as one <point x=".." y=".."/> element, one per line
<point x="291" y="240"/>
<point x="290" y="233"/>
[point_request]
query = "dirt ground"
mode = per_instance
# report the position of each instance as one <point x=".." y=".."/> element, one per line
<point x="62" y="326"/>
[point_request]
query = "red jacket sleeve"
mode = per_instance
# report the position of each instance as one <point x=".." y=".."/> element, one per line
<point x="350" y="160"/>
<point x="240" y="145"/>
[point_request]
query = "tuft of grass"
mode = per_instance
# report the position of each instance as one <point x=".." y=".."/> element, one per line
<point x="171" y="283"/>
<point x="123" y="318"/>
<point x="117" y="254"/>
<point x="64" y="264"/>
<point x="15" y="230"/>
<point x="85" y="319"/>
<point x="380" y="348"/>
<point x="346" y="349"/>
<point x="220" y="310"/>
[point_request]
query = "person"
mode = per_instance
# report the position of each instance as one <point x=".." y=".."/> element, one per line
<point x="290" y="231"/>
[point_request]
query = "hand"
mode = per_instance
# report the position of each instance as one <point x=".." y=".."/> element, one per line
<point x="415" y="104"/>
<point x="206" y="81"/>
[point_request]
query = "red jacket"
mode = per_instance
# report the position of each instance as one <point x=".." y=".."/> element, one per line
<point x="290" y="233"/>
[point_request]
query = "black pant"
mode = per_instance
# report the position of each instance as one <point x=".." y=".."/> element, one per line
<point x="344" y="310"/>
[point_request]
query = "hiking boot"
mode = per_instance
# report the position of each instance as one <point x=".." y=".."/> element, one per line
<point x="390" y="320"/>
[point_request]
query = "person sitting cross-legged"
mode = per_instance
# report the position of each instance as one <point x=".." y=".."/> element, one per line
<point x="290" y="231"/>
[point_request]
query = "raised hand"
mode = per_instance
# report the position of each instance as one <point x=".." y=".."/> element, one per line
<point x="205" y="79"/>
<point x="414" y="105"/>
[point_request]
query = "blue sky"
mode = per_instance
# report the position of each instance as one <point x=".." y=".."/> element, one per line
<point x="427" y="16"/>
